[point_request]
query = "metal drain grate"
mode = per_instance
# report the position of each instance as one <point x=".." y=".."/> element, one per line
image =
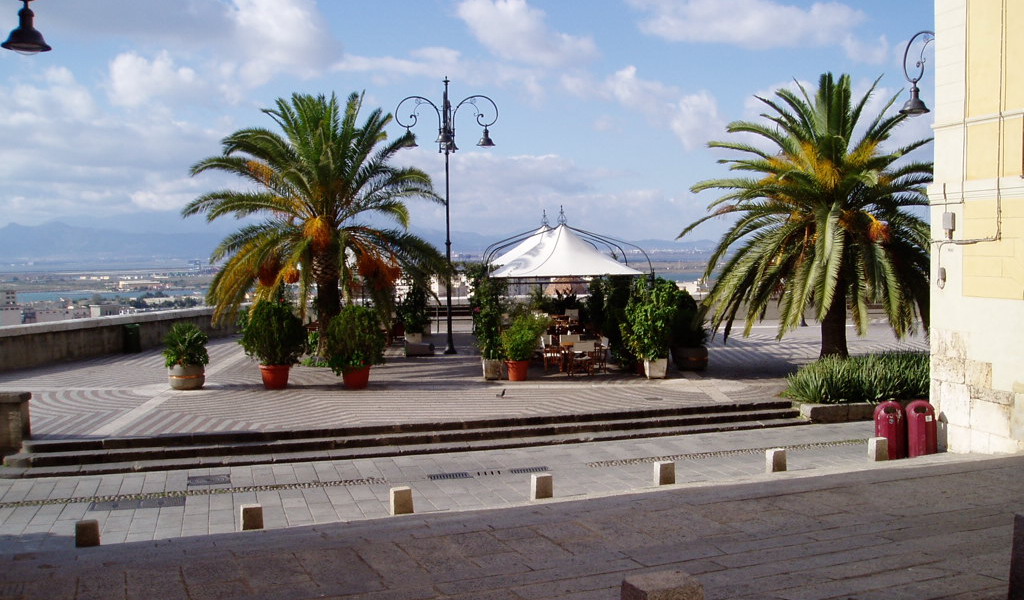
<point x="136" y="504"/>
<point x="209" y="480"/>
<point x="440" y="476"/>
<point x="523" y="470"/>
<point x="486" y="473"/>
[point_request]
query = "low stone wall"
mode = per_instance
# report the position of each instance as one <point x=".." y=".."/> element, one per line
<point x="37" y="344"/>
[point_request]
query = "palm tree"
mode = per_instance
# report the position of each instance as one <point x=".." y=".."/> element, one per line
<point x="823" y="222"/>
<point x="316" y="185"/>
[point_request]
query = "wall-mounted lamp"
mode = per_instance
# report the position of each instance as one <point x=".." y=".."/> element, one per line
<point x="25" y="39"/>
<point x="915" y="106"/>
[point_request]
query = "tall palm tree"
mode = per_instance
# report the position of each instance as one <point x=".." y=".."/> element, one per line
<point x="315" y="184"/>
<point x="822" y="222"/>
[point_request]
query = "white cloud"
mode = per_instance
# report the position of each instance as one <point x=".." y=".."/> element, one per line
<point x="513" y="30"/>
<point x="693" y="118"/>
<point x="280" y="36"/>
<point x="135" y="80"/>
<point x="875" y="53"/>
<point x="755" y="23"/>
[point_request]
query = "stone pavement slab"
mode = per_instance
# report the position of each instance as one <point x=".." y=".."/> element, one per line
<point x="924" y="529"/>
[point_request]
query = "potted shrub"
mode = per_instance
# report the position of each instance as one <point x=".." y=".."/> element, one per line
<point x="413" y="312"/>
<point x="185" y="356"/>
<point x="355" y="342"/>
<point x="274" y="335"/>
<point x="520" y="341"/>
<point x="649" y="316"/>
<point x="486" y="302"/>
<point x="689" y="335"/>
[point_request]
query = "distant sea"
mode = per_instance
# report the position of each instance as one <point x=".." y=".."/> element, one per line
<point x="26" y="297"/>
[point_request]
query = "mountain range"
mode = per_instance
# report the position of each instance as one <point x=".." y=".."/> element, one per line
<point x="57" y="241"/>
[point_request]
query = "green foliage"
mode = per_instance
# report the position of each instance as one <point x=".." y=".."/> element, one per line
<point x="414" y="308"/>
<point x="487" y="301"/>
<point x="185" y="344"/>
<point x="273" y="334"/>
<point x="355" y="339"/>
<point x="522" y="338"/>
<point x="615" y="291"/>
<point x="650" y="314"/>
<point x="871" y="378"/>
<point x="823" y="217"/>
<point x="688" y="327"/>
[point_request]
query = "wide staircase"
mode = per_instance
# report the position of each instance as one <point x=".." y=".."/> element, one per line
<point x="54" y="457"/>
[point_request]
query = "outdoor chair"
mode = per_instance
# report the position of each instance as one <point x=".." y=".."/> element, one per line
<point x="599" y="358"/>
<point x="579" y="358"/>
<point x="552" y="355"/>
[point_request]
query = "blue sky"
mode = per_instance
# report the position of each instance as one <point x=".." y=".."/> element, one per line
<point x="606" y="106"/>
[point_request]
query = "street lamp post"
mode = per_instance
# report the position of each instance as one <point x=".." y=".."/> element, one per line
<point x="915" y="106"/>
<point x="446" y="145"/>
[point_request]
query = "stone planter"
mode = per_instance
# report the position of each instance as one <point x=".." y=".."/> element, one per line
<point x="414" y="338"/>
<point x="656" y="369"/>
<point x="837" y="413"/>
<point x="491" y="368"/>
<point x="186" y="377"/>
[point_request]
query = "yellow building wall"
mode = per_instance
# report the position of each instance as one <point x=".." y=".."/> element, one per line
<point x="977" y="304"/>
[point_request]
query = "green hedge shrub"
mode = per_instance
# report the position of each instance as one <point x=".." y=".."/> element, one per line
<point x="871" y="378"/>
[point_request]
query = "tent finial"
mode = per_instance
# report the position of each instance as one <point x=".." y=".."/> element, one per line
<point x="544" y="218"/>
<point x="561" y="215"/>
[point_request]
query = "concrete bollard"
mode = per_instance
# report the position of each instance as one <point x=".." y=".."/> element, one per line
<point x="542" y="485"/>
<point x="878" y="449"/>
<point x="251" y="516"/>
<point x="664" y="472"/>
<point x="401" y="500"/>
<point x="662" y="585"/>
<point x="87" y="533"/>
<point x="775" y="460"/>
<point x="15" y="425"/>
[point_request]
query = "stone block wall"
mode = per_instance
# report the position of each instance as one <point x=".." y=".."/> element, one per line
<point x="37" y="344"/>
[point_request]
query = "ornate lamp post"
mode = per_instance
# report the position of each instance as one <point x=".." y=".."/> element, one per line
<point x="25" y="39"/>
<point x="446" y="145"/>
<point x="915" y="106"/>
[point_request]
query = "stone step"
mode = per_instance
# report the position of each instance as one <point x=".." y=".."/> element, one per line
<point x="111" y="455"/>
<point x="238" y="437"/>
<point x="153" y="464"/>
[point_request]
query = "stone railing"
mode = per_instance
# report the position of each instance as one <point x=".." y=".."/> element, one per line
<point x="37" y="344"/>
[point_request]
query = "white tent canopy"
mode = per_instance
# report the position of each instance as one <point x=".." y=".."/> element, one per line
<point x="557" y="252"/>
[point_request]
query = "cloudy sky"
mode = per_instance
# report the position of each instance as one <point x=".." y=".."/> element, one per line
<point x="606" y="106"/>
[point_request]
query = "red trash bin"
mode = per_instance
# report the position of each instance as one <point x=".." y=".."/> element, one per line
<point x="890" y="423"/>
<point x="922" y="429"/>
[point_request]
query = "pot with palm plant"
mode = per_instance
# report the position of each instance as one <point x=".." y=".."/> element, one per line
<point x="185" y="356"/>
<point x="274" y="335"/>
<point x="355" y="342"/>
<point x="648" y="328"/>
<point x="689" y="335"/>
<point x="520" y="341"/>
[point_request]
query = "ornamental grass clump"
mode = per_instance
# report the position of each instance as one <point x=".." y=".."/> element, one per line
<point x="872" y="378"/>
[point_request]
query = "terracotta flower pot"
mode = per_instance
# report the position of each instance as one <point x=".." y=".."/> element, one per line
<point x="275" y="377"/>
<point x="356" y="379"/>
<point x="517" y="369"/>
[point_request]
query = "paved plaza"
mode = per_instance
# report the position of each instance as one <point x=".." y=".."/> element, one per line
<point x="833" y="526"/>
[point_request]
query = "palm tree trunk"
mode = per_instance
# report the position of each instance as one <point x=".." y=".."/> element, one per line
<point x="328" y="300"/>
<point x="833" y="327"/>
